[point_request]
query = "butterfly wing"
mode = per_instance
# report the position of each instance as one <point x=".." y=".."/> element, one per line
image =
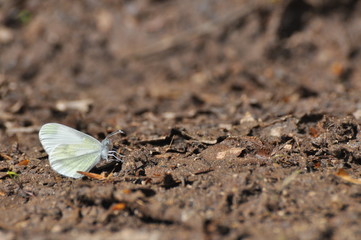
<point x="67" y="159"/>
<point x="69" y="150"/>
<point x="53" y="134"/>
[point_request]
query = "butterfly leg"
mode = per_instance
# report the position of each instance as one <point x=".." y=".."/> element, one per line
<point x="117" y="156"/>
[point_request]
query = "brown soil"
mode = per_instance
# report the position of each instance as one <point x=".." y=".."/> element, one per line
<point x="238" y="114"/>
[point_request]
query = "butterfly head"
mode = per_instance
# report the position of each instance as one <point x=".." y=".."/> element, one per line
<point x="107" y="148"/>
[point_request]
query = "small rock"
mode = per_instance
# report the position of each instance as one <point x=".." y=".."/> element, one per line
<point x="6" y="35"/>
<point x="83" y="105"/>
<point x="247" y="118"/>
<point x="357" y="114"/>
<point x="104" y="21"/>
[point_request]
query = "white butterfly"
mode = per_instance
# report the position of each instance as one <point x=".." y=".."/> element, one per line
<point x="70" y="150"/>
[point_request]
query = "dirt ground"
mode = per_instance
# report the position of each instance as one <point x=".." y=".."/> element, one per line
<point x="242" y="118"/>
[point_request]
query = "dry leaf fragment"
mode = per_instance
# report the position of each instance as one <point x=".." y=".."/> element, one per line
<point x="314" y="132"/>
<point x="96" y="176"/>
<point x="93" y="175"/>
<point x="5" y="156"/>
<point x="24" y="162"/>
<point x="118" y="206"/>
<point x="127" y="191"/>
<point x="338" y="68"/>
<point x="345" y="176"/>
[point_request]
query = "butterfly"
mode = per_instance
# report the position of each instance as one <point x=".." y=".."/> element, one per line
<point x="71" y="151"/>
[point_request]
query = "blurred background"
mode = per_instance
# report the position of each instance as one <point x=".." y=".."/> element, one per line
<point x="110" y="59"/>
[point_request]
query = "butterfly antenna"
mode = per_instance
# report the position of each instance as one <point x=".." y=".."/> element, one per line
<point x="114" y="133"/>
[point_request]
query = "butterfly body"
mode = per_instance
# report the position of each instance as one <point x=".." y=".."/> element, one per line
<point x="106" y="145"/>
